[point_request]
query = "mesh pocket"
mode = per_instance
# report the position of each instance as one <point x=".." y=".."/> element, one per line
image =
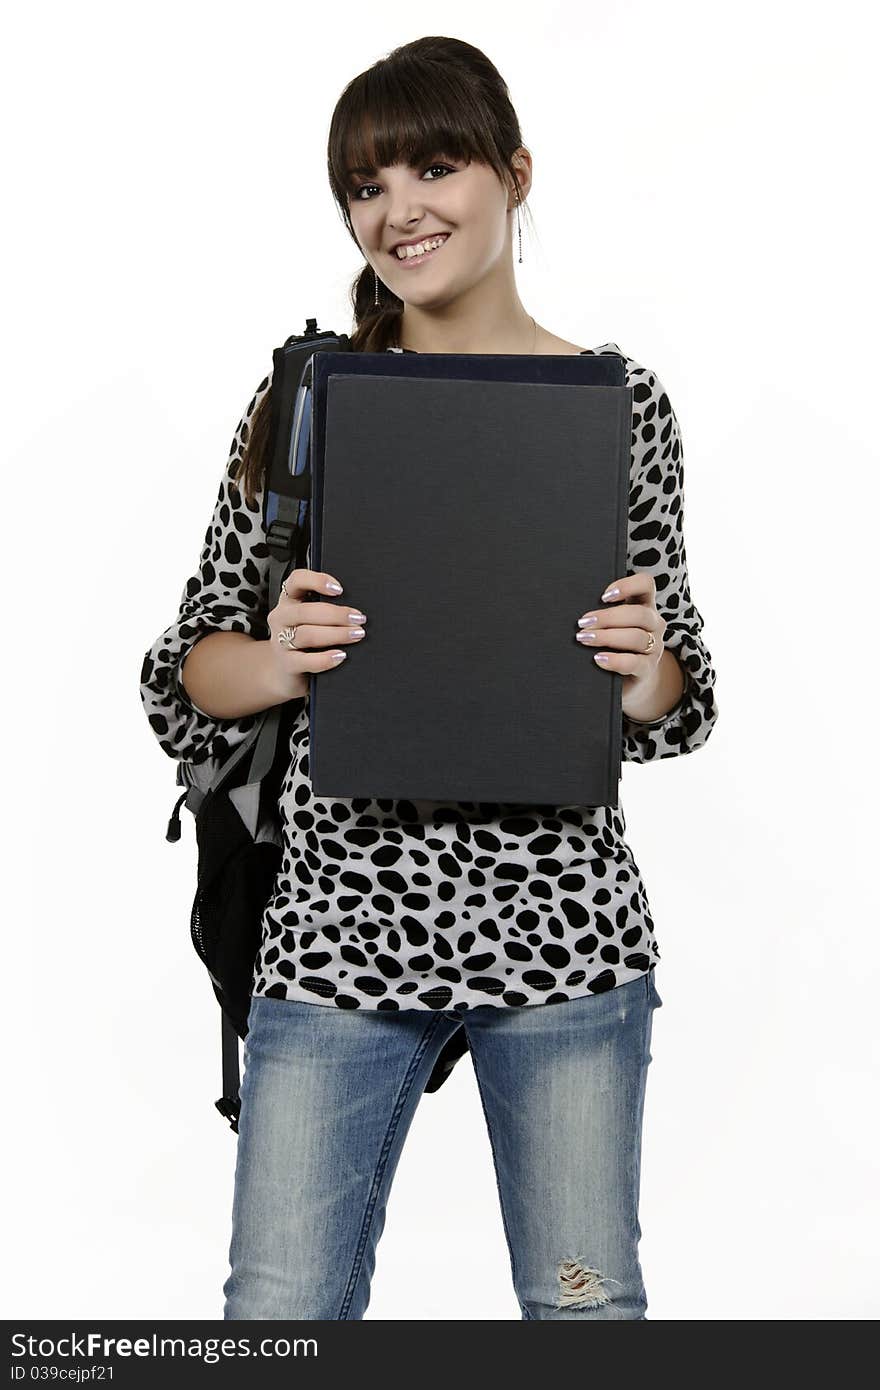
<point x="236" y="878"/>
<point x="235" y="881"/>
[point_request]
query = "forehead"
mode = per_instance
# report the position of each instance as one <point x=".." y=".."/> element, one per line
<point x="372" y="153"/>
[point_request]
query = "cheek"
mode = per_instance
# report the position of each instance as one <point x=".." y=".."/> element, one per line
<point x="488" y="240"/>
<point x="484" y="223"/>
<point x="360" y="221"/>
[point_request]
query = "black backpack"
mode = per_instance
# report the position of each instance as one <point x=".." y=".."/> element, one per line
<point x="237" y="821"/>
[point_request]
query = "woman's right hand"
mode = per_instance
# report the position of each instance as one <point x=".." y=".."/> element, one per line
<point x="318" y="625"/>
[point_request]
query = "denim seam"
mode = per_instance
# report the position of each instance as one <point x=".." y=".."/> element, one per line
<point x="405" y="1087"/>
<point x="510" y="1245"/>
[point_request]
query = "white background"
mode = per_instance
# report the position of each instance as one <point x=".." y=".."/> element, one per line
<point x="703" y="177"/>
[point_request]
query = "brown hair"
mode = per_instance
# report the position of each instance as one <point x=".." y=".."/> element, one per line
<point x="430" y="96"/>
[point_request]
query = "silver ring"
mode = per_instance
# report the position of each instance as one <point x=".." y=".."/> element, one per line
<point x="651" y="643"/>
<point x="286" y="637"/>
<point x="284" y="589"/>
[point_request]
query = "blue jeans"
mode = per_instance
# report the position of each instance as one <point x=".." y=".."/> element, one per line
<point x="327" y="1097"/>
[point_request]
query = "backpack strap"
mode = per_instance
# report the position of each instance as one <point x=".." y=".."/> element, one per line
<point x="288" y="478"/>
<point x="288" y="488"/>
<point x="229" y="1103"/>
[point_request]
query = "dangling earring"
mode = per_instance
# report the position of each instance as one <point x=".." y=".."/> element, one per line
<point x="518" y="223"/>
<point x="376" y="282"/>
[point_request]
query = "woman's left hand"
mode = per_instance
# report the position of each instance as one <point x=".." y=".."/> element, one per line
<point x="627" y="628"/>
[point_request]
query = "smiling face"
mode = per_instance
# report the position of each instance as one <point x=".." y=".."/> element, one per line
<point x="466" y="202"/>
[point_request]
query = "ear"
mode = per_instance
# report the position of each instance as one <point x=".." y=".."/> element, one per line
<point x="522" y="164"/>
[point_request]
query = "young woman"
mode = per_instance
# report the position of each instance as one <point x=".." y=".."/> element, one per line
<point x="392" y="923"/>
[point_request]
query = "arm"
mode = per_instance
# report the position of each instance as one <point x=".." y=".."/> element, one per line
<point x="228" y="680"/>
<point x="656" y="543"/>
<point x="228" y="675"/>
<point x="669" y="685"/>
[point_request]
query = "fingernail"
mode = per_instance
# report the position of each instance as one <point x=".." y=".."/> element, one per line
<point x="339" y="656"/>
<point x="334" y="587"/>
<point x="585" y="622"/>
<point x="610" y="593"/>
<point x="587" y="636"/>
<point x="600" y="656"/>
<point x="357" y="617"/>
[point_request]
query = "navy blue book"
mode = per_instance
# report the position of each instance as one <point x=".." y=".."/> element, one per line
<point x="473" y="507"/>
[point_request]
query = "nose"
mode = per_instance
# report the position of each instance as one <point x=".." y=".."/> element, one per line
<point x="404" y="219"/>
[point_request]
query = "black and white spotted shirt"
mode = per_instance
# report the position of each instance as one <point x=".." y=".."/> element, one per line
<point x="404" y="904"/>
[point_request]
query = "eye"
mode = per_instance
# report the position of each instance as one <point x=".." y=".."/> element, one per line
<point x="356" y="195"/>
<point x="448" y="169"/>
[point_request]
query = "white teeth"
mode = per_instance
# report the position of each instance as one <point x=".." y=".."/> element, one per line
<point x="408" y="252"/>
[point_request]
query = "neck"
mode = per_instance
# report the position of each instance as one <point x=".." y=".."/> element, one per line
<point x="482" y="325"/>
<point x="517" y="347"/>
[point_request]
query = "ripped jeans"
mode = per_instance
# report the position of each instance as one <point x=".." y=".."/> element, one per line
<point x="327" y="1097"/>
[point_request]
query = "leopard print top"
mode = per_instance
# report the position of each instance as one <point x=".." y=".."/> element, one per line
<point x="392" y="904"/>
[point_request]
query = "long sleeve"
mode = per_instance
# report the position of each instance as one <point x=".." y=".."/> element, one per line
<point x="656" y="543"/>
<point x="227" y="593"/>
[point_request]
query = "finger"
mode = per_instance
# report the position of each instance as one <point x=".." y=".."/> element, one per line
<point x="631" y="586"/>
<point x="624" y="663"/>
<point x="311" y="635"/>
<point x="300" y="582"/>
<point x="327" y="614"/>
<point x="622" y="615"/>
<point x="624" y="639"/>
<point x="321" y="661"/>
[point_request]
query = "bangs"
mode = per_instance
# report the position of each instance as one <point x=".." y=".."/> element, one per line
<point x="404" y="114"/>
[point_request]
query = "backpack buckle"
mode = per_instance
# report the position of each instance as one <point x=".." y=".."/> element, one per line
<point x="230" y="1110"/>
<point x="280" y="538"/>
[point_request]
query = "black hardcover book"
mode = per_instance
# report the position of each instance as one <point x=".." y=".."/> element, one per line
<point x="473" y="507"/>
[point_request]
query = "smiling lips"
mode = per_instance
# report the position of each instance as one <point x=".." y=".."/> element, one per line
<point x="412" y="255"/>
